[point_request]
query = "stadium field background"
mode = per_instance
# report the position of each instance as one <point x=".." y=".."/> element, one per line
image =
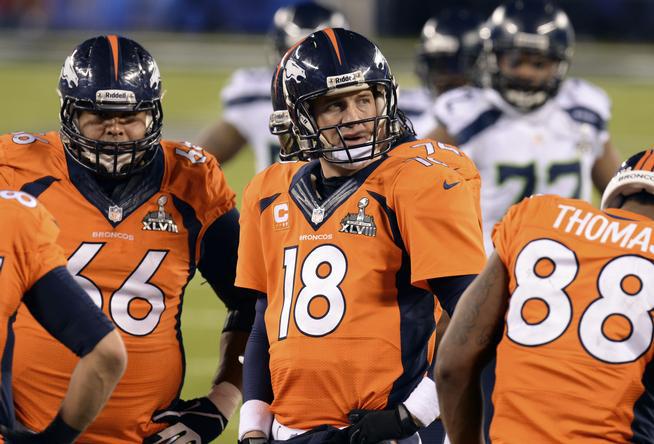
<point x="194" y="69"/>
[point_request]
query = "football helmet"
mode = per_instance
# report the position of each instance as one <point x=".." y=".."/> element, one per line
<point x="293" y="23"/>
<point x="332" y="62"/>
<point x="110" y="74"/>
<point x="449" y="49"/>
<point x="527" y="26"/>
<point x="636" y="174"/>
<point x="280" y="123"/>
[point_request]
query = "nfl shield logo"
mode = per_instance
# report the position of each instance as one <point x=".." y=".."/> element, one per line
<point x="115" y="213"/>
<point x="317" y="215"/>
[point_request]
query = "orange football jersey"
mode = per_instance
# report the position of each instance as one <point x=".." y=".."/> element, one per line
<point x="573" y="362"/>
<point x="428" y="151"/>
<point x="350" y="316"/>
<point x="133" y="260"/>
<point x="28" y="251"/>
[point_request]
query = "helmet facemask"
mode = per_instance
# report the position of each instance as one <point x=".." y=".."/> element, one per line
<point x="523" y="93"/>
<point x="110" y="77"/>
<point x="331" y="141"/>
<point x="107" y="158"/>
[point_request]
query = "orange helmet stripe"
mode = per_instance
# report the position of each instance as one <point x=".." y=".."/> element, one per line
<point x="640" y="164"/>
<point x="329" y="32"/>
<point x="113" y="42"/>
<point x="649" y="163"/>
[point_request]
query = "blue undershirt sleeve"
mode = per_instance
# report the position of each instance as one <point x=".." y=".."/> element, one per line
<point x="256" y="361"/>
<point x="66" y="312"/>
<point x="218" y="255"/>
<point x="449" y="289"/>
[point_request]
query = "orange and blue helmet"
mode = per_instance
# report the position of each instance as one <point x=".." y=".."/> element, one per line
<point x="110" y="74"/>
<point x="280" y="124"/>
<point x="636" y="174"/>
<point x="335" y="61"/>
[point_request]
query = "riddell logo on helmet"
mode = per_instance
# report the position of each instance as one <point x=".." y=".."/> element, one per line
<point x="345" y="79"/>
<point x="115" y="96"/>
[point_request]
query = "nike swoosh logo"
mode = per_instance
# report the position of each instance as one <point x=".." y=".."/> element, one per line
<point x="447" y="186"/>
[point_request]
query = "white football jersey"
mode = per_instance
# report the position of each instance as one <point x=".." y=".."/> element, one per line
<point x="247" y="105"/>
<point x="550" y="150"/>
<point x="417" y="104"/>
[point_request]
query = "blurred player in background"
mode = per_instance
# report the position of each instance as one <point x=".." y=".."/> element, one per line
<point x="447" y="58"/>
<point x="345" y="253"/>
<point x="246" y="98"/>
<point x="33" y="271"/>
<point x="531" y="131"/>
<point x="138" y="216"/>
<point x="566" y="302"/>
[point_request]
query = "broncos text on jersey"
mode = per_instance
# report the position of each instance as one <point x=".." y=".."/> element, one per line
<point x="133" y="258"/>
<point x="344" y="275"/>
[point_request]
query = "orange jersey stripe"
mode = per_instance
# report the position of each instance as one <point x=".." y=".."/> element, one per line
<point x="113" y="42"/>
<point x="329" y="32"/>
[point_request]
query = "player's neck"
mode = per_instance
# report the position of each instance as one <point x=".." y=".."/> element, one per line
<point x="639" y="208"/>
<point x="330" y="170"/>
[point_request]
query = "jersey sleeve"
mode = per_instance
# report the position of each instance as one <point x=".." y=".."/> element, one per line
<point x="251" y="269"/>
<point x="587" y="104"/>
<point x="197" y="174"/>
<point x="34" y="233"/>
<point x="459" y="111"/>
<point x="438" y="222"/>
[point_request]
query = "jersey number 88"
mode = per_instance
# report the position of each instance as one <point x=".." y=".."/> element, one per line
<point x="614" y="300"/>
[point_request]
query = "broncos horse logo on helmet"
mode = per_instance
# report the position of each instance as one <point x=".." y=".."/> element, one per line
<point x="110" y="74"/>
<point x="337" y="61"/>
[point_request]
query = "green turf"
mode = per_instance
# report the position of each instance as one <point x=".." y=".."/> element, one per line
<point x="191" y="102"/>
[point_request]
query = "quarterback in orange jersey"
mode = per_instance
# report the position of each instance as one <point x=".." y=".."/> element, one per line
<point x="566" y="301"/>
<point x="32" y="270"/>
<point x="138" y="216"/>
<point x="346" y="251"/>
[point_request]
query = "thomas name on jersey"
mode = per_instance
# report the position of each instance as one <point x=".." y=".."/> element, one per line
<point x="598" y="228"/>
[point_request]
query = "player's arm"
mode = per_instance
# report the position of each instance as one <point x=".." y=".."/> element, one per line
<point x="256" y="417"/>
<point x="222" y="139"/>
<point x="68" y="314"/>
<point x="467" y="346"/>
<point x="203" y="419"/>
<point x="605" y="166"/>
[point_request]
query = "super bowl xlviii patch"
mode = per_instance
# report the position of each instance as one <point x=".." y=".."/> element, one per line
<point x="359" y="223"/>
<point x="159" y="220"/>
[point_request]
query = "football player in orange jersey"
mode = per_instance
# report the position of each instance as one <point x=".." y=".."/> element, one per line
<point x="566" y="302"/>
<point x="138" y="216"/>
<point x="356" y="243"/>
<point x="427" y="152"/>
<point x="32" y="270"/>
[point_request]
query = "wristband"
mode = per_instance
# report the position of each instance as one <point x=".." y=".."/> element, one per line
<point x="226" y="396"/>
<point x="255" y="416"/>
<point x="58" y="432"/>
